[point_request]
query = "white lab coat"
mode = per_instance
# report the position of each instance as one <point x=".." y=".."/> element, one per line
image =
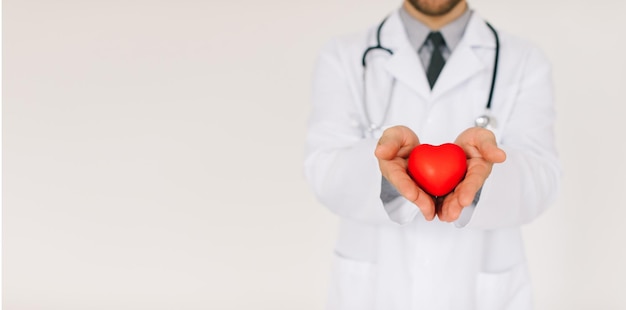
<point x="389" y="257"/>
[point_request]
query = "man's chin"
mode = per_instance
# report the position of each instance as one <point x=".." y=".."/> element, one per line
<point x="434" y="7"/>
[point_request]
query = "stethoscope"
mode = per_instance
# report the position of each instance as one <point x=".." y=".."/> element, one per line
<point x="485" y="120"/>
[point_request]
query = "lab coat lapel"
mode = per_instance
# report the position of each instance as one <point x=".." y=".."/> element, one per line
<point x="464" y="62"/>
<point x="404" y="65"/>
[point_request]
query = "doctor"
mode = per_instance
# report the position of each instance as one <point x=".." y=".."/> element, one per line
<point x="437" y="73"/>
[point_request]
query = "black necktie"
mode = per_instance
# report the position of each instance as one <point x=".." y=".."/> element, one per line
<point x="436" y="59"/>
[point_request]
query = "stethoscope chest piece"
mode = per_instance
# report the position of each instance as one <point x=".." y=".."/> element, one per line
<point x="486" y="121"/>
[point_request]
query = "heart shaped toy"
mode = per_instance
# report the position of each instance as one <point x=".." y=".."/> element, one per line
<point x="437" y="169"/>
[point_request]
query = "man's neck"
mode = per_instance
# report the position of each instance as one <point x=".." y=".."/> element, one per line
<point x="436" y="22"/>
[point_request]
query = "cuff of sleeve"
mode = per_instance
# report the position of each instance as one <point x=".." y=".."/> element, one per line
<point x="388" y="193"/>
<point x="468" y="212"/>
<point x="401" y="212"/>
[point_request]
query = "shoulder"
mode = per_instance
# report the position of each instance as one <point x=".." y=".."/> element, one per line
<point x="524" y="49"/>
<point x="522" y="61"/>
<point x="348" y="45"/>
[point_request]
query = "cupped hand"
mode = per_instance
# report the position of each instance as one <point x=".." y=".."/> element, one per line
<point x="392" y="151"/>
<point x="482" y="152"/>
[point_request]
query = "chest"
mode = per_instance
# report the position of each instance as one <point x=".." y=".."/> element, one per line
<point x="440" y="117"/>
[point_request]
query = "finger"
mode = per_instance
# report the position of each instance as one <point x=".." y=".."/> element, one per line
<point x="397" y="176"/>
<point x="477" y="172"/>
<point x="426" y="204"/>
<point x="480" y="142"/>
<point x="451" y="208"/>
<point x="397" y="141"/>
<point x="489" y="150"/>
<point x="487" y="146"/>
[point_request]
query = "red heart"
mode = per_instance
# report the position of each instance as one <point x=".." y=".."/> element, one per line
<point x="437" y="169"/>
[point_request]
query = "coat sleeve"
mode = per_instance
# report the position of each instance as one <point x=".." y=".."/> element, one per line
<point x="339" y="163"/>
<point x="521" y="188"/>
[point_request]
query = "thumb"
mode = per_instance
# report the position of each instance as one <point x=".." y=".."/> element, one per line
<point x="491" y="152"/>
<point x="396" y="141"/>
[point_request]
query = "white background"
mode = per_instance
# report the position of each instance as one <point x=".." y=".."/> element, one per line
<point x="152" y="152"/>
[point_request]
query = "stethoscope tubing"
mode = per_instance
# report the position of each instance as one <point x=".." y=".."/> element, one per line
<point x="495" y="65"/>
<point x="486" y="119"/>
<point x="377" y="46"/>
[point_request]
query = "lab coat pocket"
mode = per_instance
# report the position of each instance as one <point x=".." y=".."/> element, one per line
<point x="506" y="290"/>
<point x="352" y="284"/>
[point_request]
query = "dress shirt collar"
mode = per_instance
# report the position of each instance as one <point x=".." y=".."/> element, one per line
<point x="418" y="32"/>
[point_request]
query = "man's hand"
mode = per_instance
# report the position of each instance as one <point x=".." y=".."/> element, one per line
<point x="482" y="152"/>
<point x="480" y="147"/>
<point x="393" y="149"/>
